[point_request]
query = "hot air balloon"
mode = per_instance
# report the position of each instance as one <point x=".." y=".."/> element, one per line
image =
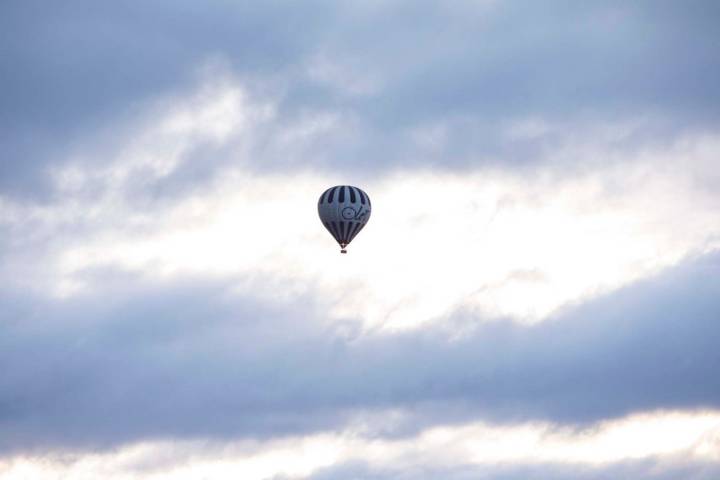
<point x="344" y="210"/>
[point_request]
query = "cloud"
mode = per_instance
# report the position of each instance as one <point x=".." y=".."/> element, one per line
<point x="529" y="246"/>
<point x="637" y="444"/>
<point x="73" y="69"/>
<point x="469" y="70"/>
<point x="545" y="259"/>
<point x="136" y="362"/>
<point x="646" y="469"/>
<point x="162" y="204"/>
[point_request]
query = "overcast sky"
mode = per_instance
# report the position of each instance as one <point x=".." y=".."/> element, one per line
<point x="537" y="293"/>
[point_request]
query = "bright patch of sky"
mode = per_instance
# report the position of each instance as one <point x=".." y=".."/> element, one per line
<point x="506" y="244"/>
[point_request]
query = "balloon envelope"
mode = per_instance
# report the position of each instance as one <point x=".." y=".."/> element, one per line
<point x="344" y="210"/>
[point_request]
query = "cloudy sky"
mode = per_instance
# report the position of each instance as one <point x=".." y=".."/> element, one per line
<point x="537" y="294"/>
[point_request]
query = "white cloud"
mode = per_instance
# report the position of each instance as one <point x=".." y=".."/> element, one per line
<point x="502" y="243"/>
<point x="690" y="436"/>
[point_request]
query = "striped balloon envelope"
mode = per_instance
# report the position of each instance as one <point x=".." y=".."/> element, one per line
<point x="344" y="210"/>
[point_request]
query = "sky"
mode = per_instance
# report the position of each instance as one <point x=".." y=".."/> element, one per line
<point x="536" y="295"/>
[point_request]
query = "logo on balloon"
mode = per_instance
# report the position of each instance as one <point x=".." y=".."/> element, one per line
<point x="349" y="213"/>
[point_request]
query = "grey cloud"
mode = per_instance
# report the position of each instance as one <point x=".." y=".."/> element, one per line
<point x="139" y="361"/>
<point x="68" y="68"/>
<point x="647" y="469"/>
<point x="472" y="69"/>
